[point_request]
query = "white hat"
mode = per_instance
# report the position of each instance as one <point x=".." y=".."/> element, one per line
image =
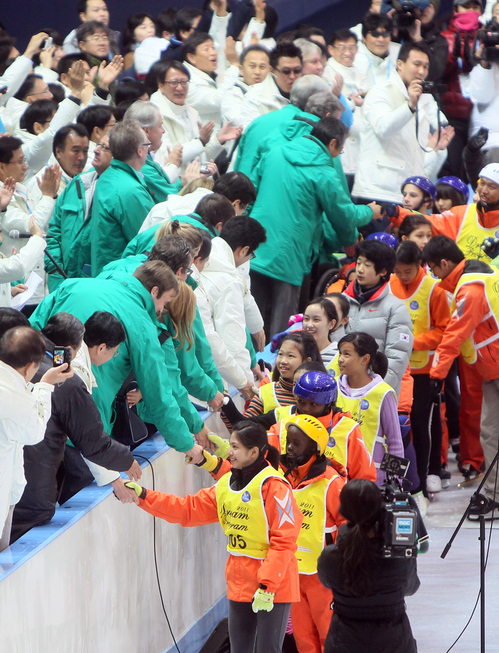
<point x="491" y="172"/>
<point x="148" y="52"/>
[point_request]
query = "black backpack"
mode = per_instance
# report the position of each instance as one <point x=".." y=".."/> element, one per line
<point x="218" y="641"/>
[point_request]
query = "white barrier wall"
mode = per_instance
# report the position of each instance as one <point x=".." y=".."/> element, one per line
<point x="93" y="587"/>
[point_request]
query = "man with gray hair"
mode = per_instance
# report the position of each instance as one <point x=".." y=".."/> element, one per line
<point x="157" y="180"/>
<point x="122" y="199"/>
<point x="259" y="130"/>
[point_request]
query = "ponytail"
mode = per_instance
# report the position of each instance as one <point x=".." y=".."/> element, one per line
<point x="273" y="456"/>
<point x="380" y="364"/>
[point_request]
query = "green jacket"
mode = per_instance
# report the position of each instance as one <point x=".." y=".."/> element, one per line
<point x="308" y="187"/>
<point x="70" y="229"/>
<point x="302" y="124"/>
<point x="121" y="204"/>
<point x="256" y="132"/>
<point x="157" y="181"/>
<point x="191" y="369"/>
<point x="126" y="298"/>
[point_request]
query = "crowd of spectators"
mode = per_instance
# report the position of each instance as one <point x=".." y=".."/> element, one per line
<point x="175" y="194"/>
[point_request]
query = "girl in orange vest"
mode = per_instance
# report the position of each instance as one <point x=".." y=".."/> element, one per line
<point x="259" y="514"/>
<point x="428" y="305"/>
<point x="317" y="483"/>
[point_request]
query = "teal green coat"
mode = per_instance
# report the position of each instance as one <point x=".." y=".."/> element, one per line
<point x="190" y="369"/>
<point x="291" y="210"/>
<point x="301" y="125"/>
<point x="145" y="241"/>
<point x="157" y="181"/>
<point x="126" y="298"/>
<point x="121" y="204"/>
<point x="70" y="231"/>
<point x="257" y="132"/>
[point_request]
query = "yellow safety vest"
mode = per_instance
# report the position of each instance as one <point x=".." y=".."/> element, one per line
<point x="242" y="515"/>
<point x="418" y="305"/>
<point x="267" y="395"/>
<point x="311" y="500"/>
<point x="283" y="412"/>
<point x="333" y="368"/>
<point x="337" y="447"/>
<point x="470" y="348"/>
<point x="366" y="412"/>
<point x="471" y="235"/>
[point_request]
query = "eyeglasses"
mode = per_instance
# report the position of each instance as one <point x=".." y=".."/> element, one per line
<point x="186" y="271"/>
<point x="345" y="48"/>
<point x="45" y="90"/>
<point x="289" y="71"/>
<point x="98" y="39"/>
<point x="148" y="145"/>
<point x="178" y="82"/>
<point x="21" y="162"/>
<point x="116" y="353"/>
<point x="251" y="255"/>
<point x="104" y="148"/>
<point x="380" y="35"/>
<point x="432" y="268"/>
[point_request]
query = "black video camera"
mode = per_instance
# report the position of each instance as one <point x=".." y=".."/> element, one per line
<point x="398" y="523"/>
<point x="489" y="37"/>
<point x="405" y="15"/>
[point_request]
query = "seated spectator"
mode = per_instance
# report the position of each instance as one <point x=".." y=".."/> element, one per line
<point x="389" y="136"/>
<point x="70" y="226"/>
<point x="255" y="66"/>
<point x="138" y="28"/>
<point x="376" y="57"/>
<point x="67" y="62"/>
<point x="312" y="188"/>
<point x="94" y="39"/>
<point x="95" y="11"/>
<point x="46" y="61"/>
<point x="13" y="77"/>
<point x="22" y="206"/>
<point x="273" y="93"/>
<point x="136" y="300"/>
<point x="25" y="410"/>
<point x="205" y="94"/>
<point x="18" y="266"/>
<point x="70" y="151"/>
<point x="33" y="88"/>
<point x="75" y="416"/>
<point x="185" y="24"/>
<point x="312" y="57"/>
<point x="181" y="121"/>
<point x="391" y="326"/>
<point x="121" y="200"/>
<point x="98" y="121"/>
<point x="225" y="290"/>
<point x="151" y="48"/>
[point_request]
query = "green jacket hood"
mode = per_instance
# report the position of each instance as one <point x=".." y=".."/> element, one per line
<point x="301" y="124"/>
<point x="307" y="151"/>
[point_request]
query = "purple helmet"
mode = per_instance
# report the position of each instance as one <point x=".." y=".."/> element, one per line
<point x="384" y="237"/>
<point x="317" y="386"/>
<point x="456" y="183"/>
<point x="421" y="182"/>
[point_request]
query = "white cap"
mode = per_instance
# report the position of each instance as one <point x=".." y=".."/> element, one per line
<point x="148" y="52"/>
<point x="491" y="172"/>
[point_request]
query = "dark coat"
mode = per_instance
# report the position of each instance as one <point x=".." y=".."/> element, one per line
<point x="376" y="622"/>
<point x="74" y="416"/>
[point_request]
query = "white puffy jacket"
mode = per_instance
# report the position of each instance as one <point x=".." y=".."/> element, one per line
<point x="389" y="149"/>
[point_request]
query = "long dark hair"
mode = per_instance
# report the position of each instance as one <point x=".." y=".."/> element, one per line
<point x="360" y="505"/>
<point x="307" y="346"/>
<point x="364" y="344"/>
<point x="329" y="309"/>
<point x="252" y="435"/>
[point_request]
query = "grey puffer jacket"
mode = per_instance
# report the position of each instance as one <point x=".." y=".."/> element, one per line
<point x="385" y="318"/>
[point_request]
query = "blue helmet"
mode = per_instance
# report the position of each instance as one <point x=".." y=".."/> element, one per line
<point x="421" y="182"/>
<point x="318" y="387"/>
<point x="384" y="237"/>
<point x="456" y="183"/>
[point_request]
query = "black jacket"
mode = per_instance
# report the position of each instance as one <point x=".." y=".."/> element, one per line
<point x="376" y="622"/>
<point x="74" y="416"/>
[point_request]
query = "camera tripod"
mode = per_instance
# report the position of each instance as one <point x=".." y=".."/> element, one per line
<point x="477" y="500"/>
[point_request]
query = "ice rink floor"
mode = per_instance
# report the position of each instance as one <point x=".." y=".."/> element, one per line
<point x="449" y="588"/>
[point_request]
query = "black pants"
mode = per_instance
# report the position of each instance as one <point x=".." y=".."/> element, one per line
<point x="277" y="300"/>
<point x="262" y="632"/>
<point x="421" y="415"/>
<point x="452" y="401"/>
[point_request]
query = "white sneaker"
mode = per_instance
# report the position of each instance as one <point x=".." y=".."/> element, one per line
<point x="433" y="483"/>
<point x="422" y="503"/>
